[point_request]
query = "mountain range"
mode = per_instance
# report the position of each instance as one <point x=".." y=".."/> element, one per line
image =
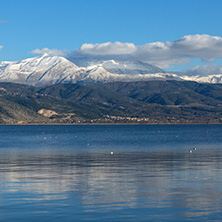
<point x="48" y="70"/>
<point x="53" y="89"/>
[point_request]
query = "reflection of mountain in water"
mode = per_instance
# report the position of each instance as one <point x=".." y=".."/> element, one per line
<point x="125" y="179"/>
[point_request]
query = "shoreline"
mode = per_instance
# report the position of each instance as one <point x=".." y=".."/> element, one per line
<point x="95" y="124"/>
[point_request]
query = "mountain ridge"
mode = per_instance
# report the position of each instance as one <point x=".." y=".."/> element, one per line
<point x="48" y="70"/>
<point x="119" y="102"/>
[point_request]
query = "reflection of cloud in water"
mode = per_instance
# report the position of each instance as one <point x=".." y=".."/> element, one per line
<point x="134" y="179"/>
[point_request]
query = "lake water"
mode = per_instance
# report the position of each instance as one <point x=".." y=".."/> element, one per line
<point x="67" y="173"/>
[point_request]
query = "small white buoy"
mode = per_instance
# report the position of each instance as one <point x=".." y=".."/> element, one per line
<point x="191" y="151"/>
<point x="111" y="153"/>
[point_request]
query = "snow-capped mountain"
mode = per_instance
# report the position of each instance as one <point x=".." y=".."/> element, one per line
<point x="40" y="70"/>
<point x="119" y="67"/>
<point x="131" y="67"/>
<point x="48" y="70"/>
<point x="216" y="78"/>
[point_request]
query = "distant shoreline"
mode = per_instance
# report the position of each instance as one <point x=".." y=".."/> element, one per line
<point x="94" y="124"/>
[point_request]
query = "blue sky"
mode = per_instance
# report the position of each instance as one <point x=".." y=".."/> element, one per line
<point x="27" y="25"/>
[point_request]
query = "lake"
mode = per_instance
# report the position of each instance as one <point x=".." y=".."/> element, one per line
<point x="111" y="173"/>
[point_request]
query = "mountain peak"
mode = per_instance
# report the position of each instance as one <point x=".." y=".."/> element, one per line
<point x="48" y="69"/>
<point x="44" y="55"/>
<point x="130" y="67"/>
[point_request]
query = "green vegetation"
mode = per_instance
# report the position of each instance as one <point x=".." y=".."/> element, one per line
<point x="119" y="102"/>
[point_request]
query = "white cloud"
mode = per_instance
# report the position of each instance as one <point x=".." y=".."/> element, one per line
<point x="108" y="48"/>
<point x="207" y="60"/>
<point x="54" y="52"/>
<point x="198" y="46"/>
<point x="163" y="54"/>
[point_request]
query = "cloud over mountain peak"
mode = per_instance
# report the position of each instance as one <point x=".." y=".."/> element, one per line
<point x="53" y="52"/>
<point x="108" y="48"/>
<point x="162" y="54"/>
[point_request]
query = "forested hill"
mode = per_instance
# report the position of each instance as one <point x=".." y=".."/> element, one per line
<point x="118" y="102"/>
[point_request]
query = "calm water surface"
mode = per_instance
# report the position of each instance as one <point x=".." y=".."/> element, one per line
<point x="67" y="173"/>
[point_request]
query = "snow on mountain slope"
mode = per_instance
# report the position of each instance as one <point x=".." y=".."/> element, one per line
<point x="40" y="70"/>
<point x="119" y="67"/>
<point x="116" y="70"/>
<point x="131" y="67"/>
<point x="3" y="65"/>
<point x="100" y="74"/>
<point x="217" y="78"/>
<point x="48" y="70"/>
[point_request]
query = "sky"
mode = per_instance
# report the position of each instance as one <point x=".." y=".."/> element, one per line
<point x="172" y="34"/>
